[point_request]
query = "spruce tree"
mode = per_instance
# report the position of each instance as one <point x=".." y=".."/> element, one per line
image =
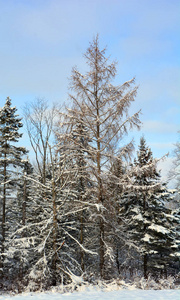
<point x="10" y="161"/>
<point x="73" y="143"/>
<point x="151" y="224"/>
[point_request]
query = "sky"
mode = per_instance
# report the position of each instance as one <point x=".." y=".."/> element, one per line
<point x="41" y="40"/>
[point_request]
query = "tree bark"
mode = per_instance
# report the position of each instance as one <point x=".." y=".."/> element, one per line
<point x="100" y="197"/>
<point x="24" y="202"/>
<point x="145" y="266"/>
<point x="82" y="240"/>
<point x="54" y="232"/>
<point x="4" y="210"/>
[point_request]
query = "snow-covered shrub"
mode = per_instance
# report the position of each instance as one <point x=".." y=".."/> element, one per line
<point x="168" y="283"/>
<point x="146" y="284"/>
<point x="152" y="284"/>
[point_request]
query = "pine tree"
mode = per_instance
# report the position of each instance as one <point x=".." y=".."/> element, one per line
<point x="10" y="161"/>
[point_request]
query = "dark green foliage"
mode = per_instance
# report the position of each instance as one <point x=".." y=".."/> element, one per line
<point x="151" y="224"/>
<point x="10" y="163"/>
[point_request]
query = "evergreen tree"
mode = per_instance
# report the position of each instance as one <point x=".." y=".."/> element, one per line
<point x="74" y="144"/>
<point x="150" y="222"/>
<point x="115" y="180"/>
<point x="10" y="161"/>
<point x="81" y="184"/>
<point x="118" y="187"/>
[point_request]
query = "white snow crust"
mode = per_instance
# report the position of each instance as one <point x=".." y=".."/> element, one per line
<point x="99" y="295"/>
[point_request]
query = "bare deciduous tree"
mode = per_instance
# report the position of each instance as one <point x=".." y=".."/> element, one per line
<point x="39" y="120"/>
<point x="103" y="108"/>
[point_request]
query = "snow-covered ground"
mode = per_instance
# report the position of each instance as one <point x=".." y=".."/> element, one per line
<point x="101" y="295"/>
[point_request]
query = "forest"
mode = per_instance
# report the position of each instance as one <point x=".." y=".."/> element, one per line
<point x="84" y="207"/>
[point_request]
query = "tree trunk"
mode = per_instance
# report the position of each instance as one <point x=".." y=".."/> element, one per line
<point x="24" y="203"/>
<point x="117" y="260"/>
<point x="100" y="201"/>
<point x="81" y="190"/>
<point x="81" y="240"/>
<point x="145" y="266"/>
<point x="44" y="164"/>
<point x="4" y="208"/>
<point x="21" y="267"/>
<point x="100" y="196"/>
<point x="54" y="263"/>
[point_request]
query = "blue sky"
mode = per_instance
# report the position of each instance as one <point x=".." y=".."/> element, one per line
<point x="41" y="40"/>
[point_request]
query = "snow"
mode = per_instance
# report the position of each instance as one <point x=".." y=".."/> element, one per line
<point x="147" y="238"/>
<point x="138" y="217"/>
<point x="159" y="228"/>
<point x="99" y="295"/>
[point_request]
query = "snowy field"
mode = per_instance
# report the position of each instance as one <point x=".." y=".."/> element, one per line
<point x="101" y="295"/>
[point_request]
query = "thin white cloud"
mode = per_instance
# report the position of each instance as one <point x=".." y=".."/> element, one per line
<point x="162" y="146"/>
<point x="161" y="127"/>
<point x="162" y="80"/>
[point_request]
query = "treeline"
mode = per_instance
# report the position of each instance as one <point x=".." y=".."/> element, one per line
<point x="82" y="208"/>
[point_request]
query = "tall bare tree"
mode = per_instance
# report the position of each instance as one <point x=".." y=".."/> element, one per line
<point x="39" y="120"/>
<point x="104" y="108"/>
